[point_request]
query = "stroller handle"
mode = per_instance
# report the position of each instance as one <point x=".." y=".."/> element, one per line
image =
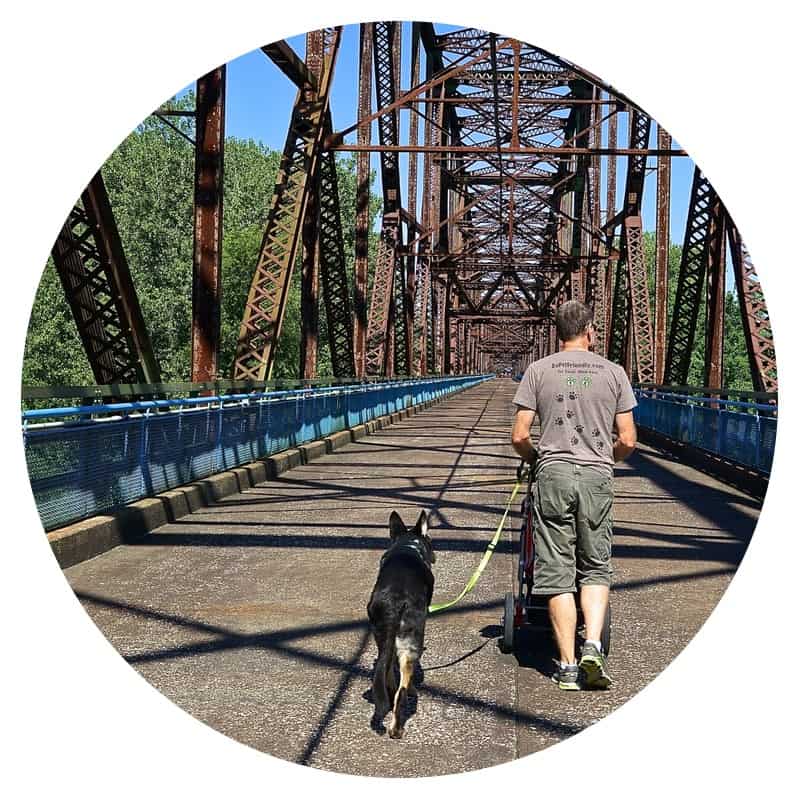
<point x="527" y="468"/>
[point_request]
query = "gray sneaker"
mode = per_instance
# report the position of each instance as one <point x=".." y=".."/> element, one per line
<point x="593" y="667"/>
<point x="567" y="677"/>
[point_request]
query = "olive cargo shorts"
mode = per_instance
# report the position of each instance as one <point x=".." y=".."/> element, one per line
<point x="572" y="530"/>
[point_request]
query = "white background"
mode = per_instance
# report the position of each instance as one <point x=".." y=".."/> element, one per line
<point x="78" y="76"/>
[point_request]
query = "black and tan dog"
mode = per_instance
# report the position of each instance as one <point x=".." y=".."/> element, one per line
<point x="397" y="610"/>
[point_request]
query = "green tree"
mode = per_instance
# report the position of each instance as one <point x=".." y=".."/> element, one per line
<point x="149" y="179"/>
<point x="736" y="369"/>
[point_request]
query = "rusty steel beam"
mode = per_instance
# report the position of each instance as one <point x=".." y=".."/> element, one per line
<point x="383" y="347"/>
<point x="380" y="300"/>
<point x="94" y="274"/>
<point x="333" y="271"/>
<point x="552" y="152"/>
<point x="424" y="304"/>
<point x="631" y="334"/>
<point x="755" y="319"/>
<point x="412" y="314"/>
<point x="596" y="266"/>
<point x="472" y="100"/>
<point x="207" y="253"/>
<point x="611" y="206"/>
<point x="715" y="301"/>
<point x="639" y="307"/>
<point x="703" y="207"/>
<point x="266" y="301"/>
<point x="403" y="302"/>
<point x="309" y="285"/>
<point x="290" y="64"/>
<point x="362" y="203"/>
<point x="662" y="256"/>
<point x="309" y="278"/>
<point x="390" y="108"/>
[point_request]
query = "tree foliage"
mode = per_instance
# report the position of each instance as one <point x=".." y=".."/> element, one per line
<point x="735" y="364"/>
<point x="149" y="179"/>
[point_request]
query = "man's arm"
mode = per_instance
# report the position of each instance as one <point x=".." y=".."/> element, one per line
<point x="521" y="434"/>
<point x="626" y="435"/>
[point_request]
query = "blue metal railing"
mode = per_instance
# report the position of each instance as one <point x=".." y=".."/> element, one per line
<point x="741" y="432"/>
<point x="88" y="460"/>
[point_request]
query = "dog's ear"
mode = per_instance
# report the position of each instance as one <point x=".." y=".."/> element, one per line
<point x="396" y="525"/>
<point x="422" y="529"/>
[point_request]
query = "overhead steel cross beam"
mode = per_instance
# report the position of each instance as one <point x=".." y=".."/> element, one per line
<point x="94" y="273"/>
<point x="266" y="301"/>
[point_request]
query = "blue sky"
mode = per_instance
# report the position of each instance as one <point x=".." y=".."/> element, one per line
<point x="260" y="97"/>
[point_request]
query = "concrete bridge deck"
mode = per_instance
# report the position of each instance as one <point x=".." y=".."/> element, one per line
<point x="250" y="615"/>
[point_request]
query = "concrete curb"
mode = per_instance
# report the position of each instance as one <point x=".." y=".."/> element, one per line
<point x="92" y="537"/>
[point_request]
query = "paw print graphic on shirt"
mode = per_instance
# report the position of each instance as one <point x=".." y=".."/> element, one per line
<point x="572" y="396"/>
<point x="579" y="429"/>
<point x="559" y="420"/>
<point x="596" y="432"/>
<point x="560" y="398"/>
<point x="600" y="445"/>
<point x="570" y="413"/>
<point x="574" y="440"/>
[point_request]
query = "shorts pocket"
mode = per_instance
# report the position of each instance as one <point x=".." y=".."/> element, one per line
<point x="598" y="507"/>
<point x="553" y="498"/>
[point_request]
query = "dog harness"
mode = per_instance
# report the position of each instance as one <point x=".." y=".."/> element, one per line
<point x="406" y="544"/>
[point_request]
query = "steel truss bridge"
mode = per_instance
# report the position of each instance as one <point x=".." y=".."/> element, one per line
<point x="505" y="206"/>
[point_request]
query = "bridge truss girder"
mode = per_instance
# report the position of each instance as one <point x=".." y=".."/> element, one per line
<point x="98" y="288"/>
<point x="266" y="301"/>
<point x="507" y="143"/>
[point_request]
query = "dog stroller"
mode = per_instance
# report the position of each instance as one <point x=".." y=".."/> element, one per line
<point x="524" y="609"/>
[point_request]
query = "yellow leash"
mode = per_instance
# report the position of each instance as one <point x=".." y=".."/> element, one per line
<point x="484" y="561"/>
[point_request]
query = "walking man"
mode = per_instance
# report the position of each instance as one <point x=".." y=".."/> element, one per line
<point x="580" y="398"/>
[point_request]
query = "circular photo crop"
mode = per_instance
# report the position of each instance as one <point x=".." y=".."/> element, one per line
<point x="399" y="399"/>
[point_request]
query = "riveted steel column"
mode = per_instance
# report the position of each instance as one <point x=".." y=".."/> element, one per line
<point x="715" y="300"/>
<point x="208" y="193"/>
<point x="309" y="285"/>
<point x="662" y="254"/>
<point x="362" y="201"/>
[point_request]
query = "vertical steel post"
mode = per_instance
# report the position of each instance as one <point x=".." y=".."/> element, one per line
<point x="309" y="287"/>
<point x="611" y="210"/>
<point x="413" y="158"/>
<point x="207" y="255"/>
<point x="662" y="253"/>
<point x="715" y="300"/>
<point x="362" y="201"/>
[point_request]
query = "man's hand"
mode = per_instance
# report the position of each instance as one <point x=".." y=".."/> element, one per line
<point x="521" y="434"/>
<point x="625" y="443"/>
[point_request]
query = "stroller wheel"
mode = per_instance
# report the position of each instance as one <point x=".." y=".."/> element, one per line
<point x="507" y="645"/>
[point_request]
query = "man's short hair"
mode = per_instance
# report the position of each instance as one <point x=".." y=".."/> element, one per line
<point x="572" y="320"/>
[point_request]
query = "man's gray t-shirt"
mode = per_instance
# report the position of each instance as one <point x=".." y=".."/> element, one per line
<point x="576" y="395"/>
